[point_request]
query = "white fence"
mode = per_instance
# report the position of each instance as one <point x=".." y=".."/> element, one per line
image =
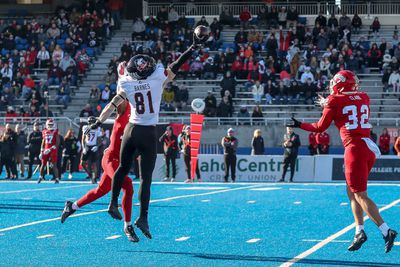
<point x="304" y="8"/>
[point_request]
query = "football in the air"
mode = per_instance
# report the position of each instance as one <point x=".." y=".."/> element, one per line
<point x="202" y="33"/>
<point x="198" y="105"/>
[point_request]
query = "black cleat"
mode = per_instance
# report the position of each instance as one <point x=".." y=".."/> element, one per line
<point x="143" y="225"/>
<point x="130" y="233"/>
<point x="389" y="240"/>
<point x="56" y="181"/>
<point x="114" y="212"/>
<point x="68" y="211"/>
<point x="41" y="179"/>
<point x="358" y="240"/>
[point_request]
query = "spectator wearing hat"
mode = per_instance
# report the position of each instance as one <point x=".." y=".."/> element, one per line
<point x="291" y="144"/>
<point x="170" y="147"/>
<point x="244" y="116"/>
<point x="230" y="144"/>
<point x="257" y="143"/>
<point x="34" y="146"/>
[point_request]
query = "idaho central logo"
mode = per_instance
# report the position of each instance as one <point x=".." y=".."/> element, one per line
<point x="141" y="64"/>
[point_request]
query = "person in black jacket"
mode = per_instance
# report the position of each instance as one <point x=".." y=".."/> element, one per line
<point x="184" y="145"/>
<point x="8" y="143"/>
<point x="257" y="144"/>
<point x="20" y="149"/>
<point x="291" y="143"/>
<point x="34" y="145"/>
<point x="72" y="147"/>
<point x="230" y="144"/>
<point x="170" y="145"/>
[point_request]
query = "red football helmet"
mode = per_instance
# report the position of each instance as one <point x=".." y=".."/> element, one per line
<point x="344" y="82"/>
<point x="51" y="125"/>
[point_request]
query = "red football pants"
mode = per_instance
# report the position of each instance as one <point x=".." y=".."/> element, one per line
<point x="358" y="162"/>
<point x="109" y="167"/>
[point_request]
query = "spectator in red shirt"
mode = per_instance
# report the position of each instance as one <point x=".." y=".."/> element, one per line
<point x="375" y="26"/>
<point x="323" y="140"/>
<point x="374" y="54"/>
<point x="245" y="17"/>
<point x="384" y="142"/>
<point x="237" y="67"/>
<point x="27" y="87"/>
<point x="312" y="143"/>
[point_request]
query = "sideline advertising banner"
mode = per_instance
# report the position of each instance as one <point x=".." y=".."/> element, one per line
<point x="386" y="168"/>
<point x="248" y="168"/>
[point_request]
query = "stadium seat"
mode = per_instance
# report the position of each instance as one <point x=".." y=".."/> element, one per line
<point x="91" y="52"/>
<point x="101" y="86"/>
<point x="60" y="41"/>
<point x="113" y="87"/>
<point x="302" y="20"/>
<point x="4" y="52"/>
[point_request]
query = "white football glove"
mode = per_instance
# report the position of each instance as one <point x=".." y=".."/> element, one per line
<point x="40" y="156"/>
<point x="94" y="149"/>
<point x="46" y="151"/>
<point x="321" y="101"/>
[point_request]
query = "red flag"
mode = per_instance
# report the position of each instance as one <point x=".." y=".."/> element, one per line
<point x="196" y="125"/>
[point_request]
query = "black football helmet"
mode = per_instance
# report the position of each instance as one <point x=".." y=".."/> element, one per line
<point x="141" y="66"/>
<point x="91" y="120"/>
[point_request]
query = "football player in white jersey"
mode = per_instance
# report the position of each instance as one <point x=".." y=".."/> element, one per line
<point x="90" y="142"/>
<point x="141" y="81"/>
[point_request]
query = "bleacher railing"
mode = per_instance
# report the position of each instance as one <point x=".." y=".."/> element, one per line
<point x="216" y="121"/>
<point x="63" y="123"/>
<point x="304" y="8"/>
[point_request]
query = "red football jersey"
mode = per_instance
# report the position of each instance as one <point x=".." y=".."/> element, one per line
<point x="312" y="139"/>
<point x="49" y="137"/>
<point x="350" y="113"/>
<point x="118" y="131"/>
<point x="323" y="139"/>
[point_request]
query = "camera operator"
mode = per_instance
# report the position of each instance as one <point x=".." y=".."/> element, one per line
<point x="170" y="145"/>
<point x="34" y="145"/>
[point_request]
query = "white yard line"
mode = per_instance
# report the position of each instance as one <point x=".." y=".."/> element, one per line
<point x="253" y="240"/>
<point x="113" y="237"/>
<point x="329" y="239"/>
<point x="103" y="210"/>
<point x="183" y="238"/>
<point x="42" y="189"/>
<point x="44" y="236"/>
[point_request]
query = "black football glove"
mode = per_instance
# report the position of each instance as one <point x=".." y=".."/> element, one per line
<point x="92" y="126"/>
<point x="294" y="123"/>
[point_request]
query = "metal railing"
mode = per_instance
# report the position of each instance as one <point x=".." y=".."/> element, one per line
<point x="63" y="123"/>
<point x="304" y="8"/>
<point x="214" y="121"/>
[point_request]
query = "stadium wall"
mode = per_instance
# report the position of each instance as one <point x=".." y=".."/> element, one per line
<point x="321" y="168"/>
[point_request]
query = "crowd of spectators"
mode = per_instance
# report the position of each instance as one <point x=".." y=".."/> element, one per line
<point x="61" y="47"/>
<point x="280" y="58"/>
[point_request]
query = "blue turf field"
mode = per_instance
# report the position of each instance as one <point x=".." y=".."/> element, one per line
<point x="194" y="225"/>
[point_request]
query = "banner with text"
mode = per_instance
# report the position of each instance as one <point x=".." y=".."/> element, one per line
<point x="385" y="169"/>
<point x="248" y="168"/>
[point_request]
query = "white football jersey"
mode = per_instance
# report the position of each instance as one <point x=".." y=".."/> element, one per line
<point x="92" y="136"/>
<point x="144" y="96"/>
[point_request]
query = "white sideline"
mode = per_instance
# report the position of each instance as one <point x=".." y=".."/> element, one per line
<point x="42" y="189"/>
<point x="331" y="238"/>
<point x="103" y="210"/>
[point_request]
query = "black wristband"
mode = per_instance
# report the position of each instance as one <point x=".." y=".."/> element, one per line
<point x="174" y="66"/>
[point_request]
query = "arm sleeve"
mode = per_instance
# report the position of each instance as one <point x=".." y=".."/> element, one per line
<point x="323" y="123"/>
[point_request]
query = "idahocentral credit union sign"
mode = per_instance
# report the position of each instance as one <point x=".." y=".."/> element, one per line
<point x="248" y="168"/>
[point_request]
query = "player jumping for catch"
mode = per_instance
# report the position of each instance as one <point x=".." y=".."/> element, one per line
<point x="142" y="85"/>
<point x="350" y="111"/>
<point x="110" y="163"/>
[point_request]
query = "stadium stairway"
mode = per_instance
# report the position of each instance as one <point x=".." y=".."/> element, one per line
<point x="98" y="71"/>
